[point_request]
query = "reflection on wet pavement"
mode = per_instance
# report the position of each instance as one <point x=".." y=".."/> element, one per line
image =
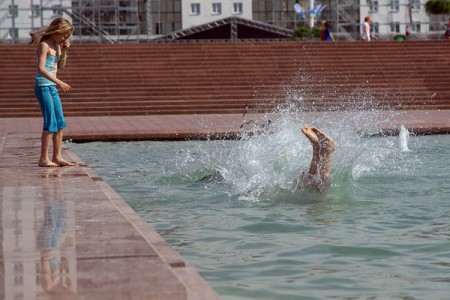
<point x="39" y="240"/>
<point x="66" y="234"/>
<point x="56" y="239"/>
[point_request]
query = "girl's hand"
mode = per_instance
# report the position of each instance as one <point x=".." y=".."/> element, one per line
<point x="66" y="44"/>
<point x="64" y="86"/>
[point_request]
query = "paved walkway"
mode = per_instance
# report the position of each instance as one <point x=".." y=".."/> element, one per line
<point x="65" y="233"/>
<point x="173" y="127"/>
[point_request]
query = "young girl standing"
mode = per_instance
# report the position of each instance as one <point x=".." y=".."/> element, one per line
<point x="53" y="43"/>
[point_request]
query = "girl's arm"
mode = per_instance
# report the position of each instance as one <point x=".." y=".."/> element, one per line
<point x="63" y="56"/>
<point x="42" y="51"/>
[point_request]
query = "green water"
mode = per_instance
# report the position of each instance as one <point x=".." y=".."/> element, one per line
<point x="229" y="208"/>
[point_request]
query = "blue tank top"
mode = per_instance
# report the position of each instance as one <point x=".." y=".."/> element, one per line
<point x="51" y="65"/>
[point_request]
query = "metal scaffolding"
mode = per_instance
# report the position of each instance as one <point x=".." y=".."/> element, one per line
<point x="109" y="21"/>
<point x="121" y="21"/>
<point x="233" y="22"/>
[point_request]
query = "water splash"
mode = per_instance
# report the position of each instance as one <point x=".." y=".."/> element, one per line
<point x="403" y="139"/>
<point x="263" y="166"/>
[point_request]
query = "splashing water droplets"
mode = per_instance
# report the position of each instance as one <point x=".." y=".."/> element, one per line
<point x="403" y="139"/>
<point x="265" y="165"/>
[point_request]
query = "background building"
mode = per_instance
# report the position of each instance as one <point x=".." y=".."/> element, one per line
<point x="142" y="20"/>
<point x="110" y="20"/>
<point x="19" y="17"/>
<point x="163" y="16"/>
<point x="392" y="17"/>
<point x="276" y="12"/>
<point x="197" y="12"/>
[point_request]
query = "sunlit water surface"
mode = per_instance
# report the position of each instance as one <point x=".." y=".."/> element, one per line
<point x="230" y="209"/>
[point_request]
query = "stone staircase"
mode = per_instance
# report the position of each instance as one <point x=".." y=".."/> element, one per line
<point x="190" y="78"/>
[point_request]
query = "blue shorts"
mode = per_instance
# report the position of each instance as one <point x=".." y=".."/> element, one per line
<point x="51" y="107"/>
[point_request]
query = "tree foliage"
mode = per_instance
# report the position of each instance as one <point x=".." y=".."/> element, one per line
<point x="306" y="33"/>
<point x="438" y="7"/>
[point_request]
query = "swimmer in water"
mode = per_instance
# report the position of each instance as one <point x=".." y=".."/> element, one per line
<point x="318" y="175"/>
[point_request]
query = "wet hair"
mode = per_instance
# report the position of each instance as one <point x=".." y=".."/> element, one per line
<point x="58" y="25"/>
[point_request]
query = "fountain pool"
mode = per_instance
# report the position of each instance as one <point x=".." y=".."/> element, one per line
<point x="230" y="209"/>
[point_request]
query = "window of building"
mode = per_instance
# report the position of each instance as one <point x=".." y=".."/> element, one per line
<point x="18" y="280"/>
<point x="158" y="28"/>
<point x="18" y="274"/>
<point x="38" y="273"/>
<point x="373" y="6"/>
<point x="217" y="8"/>
<point x="57" y="10"/>
<point x="13" y="11"/>
<point x="237" y="8"/>
<point x="395" y="27"/>
<point x="415" y="5"/>
<point x="195" y="8"/>
<point x="435" y="26"/>
<point x="395" y="5"/>
<point x="107" y="2"/>
<point x="13" y="33"/>
<point x="19" y="296"/>
<point x="375" y="27"/>
<point x="35" y="11"/>
<point x="415" y="27"/>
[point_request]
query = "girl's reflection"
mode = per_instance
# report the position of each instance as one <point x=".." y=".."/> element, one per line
<point x="52" y="239"/>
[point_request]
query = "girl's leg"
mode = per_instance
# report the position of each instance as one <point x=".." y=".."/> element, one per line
<point x="45" y="145"/>
<point x="59" y="123"/>
<point x="57" y="150"/>
<point x="46" y="103"/>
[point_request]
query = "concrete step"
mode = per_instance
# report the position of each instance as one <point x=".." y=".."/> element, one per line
<point x="144" y="78"/>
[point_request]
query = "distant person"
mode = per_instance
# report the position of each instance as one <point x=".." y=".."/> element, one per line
<point x="326" y="34"/>
<point x="53" y="43"/>
<point x="407" y="33"/>
<point x="366" y="30"/>
<point x="318" y="176"/>
<point x="447" y="32"/>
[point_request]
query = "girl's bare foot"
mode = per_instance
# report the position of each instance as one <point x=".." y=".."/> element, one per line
<point x="48" y="164"/>
<point x="64" y="163"/>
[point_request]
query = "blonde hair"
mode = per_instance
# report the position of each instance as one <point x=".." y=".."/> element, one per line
<point x="58" y="25"/>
